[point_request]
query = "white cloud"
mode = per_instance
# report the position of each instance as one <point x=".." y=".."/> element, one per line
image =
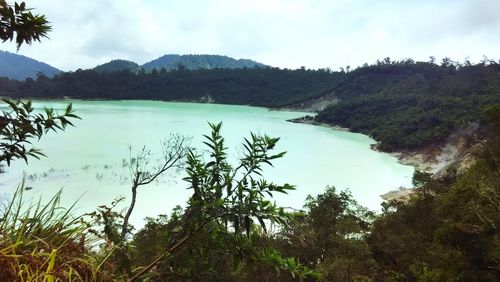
<point x="284" y="33"/>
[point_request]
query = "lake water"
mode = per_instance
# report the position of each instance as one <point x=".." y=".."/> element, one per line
<point x="87" y="160"/>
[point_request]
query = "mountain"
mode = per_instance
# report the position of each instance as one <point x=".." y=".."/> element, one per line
<point x="19" y="67"/>
<point x="117" y="65"/>
<point x="194" y="62"/>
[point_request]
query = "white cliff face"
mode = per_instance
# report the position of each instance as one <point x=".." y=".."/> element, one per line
<point x="457" y="154"/>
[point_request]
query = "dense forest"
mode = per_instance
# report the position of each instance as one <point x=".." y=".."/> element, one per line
<point x="406" y="105"/>
<point x="270" y="87"/>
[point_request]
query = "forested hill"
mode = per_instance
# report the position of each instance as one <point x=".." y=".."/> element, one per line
<point x="270" y="87"/>
<point x="19" y="67"/>
<point x="195" y="62"/>
<point x="407" y="105"/>
<point x="117" y="65"/>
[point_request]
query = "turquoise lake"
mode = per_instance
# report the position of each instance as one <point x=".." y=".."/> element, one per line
<point x="87" y="161"/>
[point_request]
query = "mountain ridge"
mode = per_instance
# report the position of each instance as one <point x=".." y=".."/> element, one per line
<point x="117" y="65"/>
<point x="15" y="66"/>
<point x="20" y="67"/>
<point x="199" y="61"/>
<point x="176" y="61"/>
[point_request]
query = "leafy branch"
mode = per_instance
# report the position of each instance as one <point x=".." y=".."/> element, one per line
<point x="20" y="124"/>
<point x="17" y="21"/>
<point x="223" y="194"/>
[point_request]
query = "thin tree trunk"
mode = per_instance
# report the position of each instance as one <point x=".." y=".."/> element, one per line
<point x="129" y="212"/>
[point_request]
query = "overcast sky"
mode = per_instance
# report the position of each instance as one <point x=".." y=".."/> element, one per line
<point x="283" y="33"/>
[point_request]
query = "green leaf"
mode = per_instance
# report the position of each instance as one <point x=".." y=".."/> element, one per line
<point x="69" y="108"/>
<point x="262" y="223"/>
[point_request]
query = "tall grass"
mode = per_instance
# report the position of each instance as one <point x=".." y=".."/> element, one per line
<point x="45" y="242"/>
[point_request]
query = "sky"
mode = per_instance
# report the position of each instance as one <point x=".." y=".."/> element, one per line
<point x="282" y="33"/>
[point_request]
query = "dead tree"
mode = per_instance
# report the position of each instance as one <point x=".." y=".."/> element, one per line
<point x="142" y="173"/>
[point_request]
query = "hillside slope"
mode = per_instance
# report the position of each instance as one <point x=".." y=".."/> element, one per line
<point x="117" y="65"/>
<point x="409" y="106"/>
<point x="194" y="62"/>
<point x="19" y="67"/>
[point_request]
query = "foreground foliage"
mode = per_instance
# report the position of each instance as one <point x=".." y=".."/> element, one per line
<point x="221" y="214"/>
<point x="20" y="125"/>
<point x="331" y="237"/>
<point x="223" y="231"/>
<point x="19" y="23"/>
<point x="447" y="230"/>
<point x="44" y="242"/>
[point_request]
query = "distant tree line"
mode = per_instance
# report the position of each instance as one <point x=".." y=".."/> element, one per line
<point x="271" y="87"/>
